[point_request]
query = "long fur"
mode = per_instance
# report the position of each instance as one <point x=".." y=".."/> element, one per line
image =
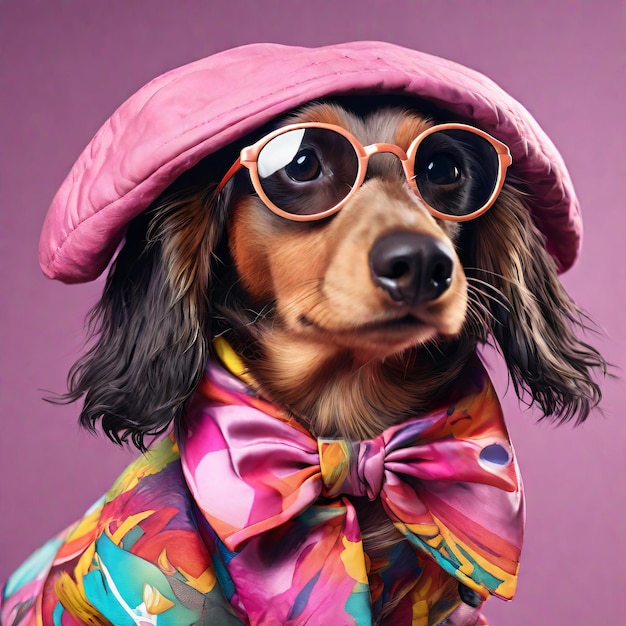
<point x="172" y="287"/>
<point x="534" y="321"/>
<point x="198" y="264"/>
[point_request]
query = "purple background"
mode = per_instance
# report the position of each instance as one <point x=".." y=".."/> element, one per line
<point x="65" y="66"/>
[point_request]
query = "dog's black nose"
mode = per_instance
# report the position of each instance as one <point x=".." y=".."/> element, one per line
<point x="412" y="267"/>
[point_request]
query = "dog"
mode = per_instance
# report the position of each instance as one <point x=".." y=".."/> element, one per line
<point x="305" y="307"/>
<point x="353" y="281"/>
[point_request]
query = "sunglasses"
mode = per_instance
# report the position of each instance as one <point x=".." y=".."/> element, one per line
<point x="308" y="171"/>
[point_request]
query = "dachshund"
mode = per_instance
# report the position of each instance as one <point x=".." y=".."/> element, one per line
<point x="365" y="315"/>
<point x="355" y="278"/>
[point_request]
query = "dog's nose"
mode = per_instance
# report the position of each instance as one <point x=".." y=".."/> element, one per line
<point x="413" y="268"/>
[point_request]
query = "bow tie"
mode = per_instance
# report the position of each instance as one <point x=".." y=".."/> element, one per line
<point x="447" y="480"/>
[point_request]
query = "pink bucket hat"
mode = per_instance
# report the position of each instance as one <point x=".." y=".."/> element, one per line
<point x="182" y="116"/>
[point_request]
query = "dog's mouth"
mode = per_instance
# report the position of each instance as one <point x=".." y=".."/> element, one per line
<point x="406" y="329"/>
<point x="405" y="323"/>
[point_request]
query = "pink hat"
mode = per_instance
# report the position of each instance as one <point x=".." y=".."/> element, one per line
<point x="190" y="112"/>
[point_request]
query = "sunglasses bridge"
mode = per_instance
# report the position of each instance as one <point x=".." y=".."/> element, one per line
<point x="388" y="148"/>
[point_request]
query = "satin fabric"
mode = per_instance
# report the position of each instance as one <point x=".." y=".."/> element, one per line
<point x="253" y="521"/>
<point x="448" y="481"/>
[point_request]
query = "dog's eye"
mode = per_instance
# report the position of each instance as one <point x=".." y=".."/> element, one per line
<point x="442" y="170"/>
<point x="304" y="167"/>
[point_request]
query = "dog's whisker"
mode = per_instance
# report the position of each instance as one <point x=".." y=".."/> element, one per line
<point x="484" y="287"/>
<point x="481" y="311"/>
<point x="476" y="325"/>
<point x="477" y="287"/>
<point x="483" y="283"/>
<point x="513" y="283"/>
<point x="482" y="270"/>
<point x="258" y="315"/>
<point x="479" y="321"/>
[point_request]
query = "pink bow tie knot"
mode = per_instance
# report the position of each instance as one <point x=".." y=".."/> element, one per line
<point x="352" y="468"/>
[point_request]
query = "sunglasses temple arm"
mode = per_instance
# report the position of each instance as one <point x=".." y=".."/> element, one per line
<point x="235" y="167"/>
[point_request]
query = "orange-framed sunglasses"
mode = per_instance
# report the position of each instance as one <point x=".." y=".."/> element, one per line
<point x="308" y="171"/>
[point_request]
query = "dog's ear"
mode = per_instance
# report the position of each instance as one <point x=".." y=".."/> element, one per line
<point x="150" y="329"/>
<point x="522" y="304"/>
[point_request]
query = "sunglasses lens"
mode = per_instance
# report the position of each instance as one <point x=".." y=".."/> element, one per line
<point x="307" y="171"/>
<point x="456" y="171"/>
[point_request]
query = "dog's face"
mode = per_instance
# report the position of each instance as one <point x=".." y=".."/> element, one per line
<point x="353" y="321"/>
<point x="376" y="278"/>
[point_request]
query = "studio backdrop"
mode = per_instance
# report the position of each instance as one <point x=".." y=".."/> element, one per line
<point x="65" y="65"/>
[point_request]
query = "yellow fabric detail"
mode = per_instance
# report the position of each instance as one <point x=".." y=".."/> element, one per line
<point x="204" y="583"/>
<point x="421" y="608"/>
<point x="420" y="613"/>
<point x="506" y="588"/>
<point x="84" y="563"/>
<point x="154" y="600"/>
<point x="128" y="524"/>
<point x="232" y="361"/>
<point x="353" y="561"/>
<point x="164" y="564"/>
<point x="429" y="533"/>
<point x="334" y="464"/>
<point x="72" y="598"/>
<point x="152" y="462"/>
<point x="86" y="525"/>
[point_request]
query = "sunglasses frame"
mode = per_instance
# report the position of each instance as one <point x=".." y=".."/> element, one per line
<point x="249" y="155"/>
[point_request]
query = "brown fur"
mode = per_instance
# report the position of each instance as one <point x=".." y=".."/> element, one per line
<point x="297" y="302"/>
<point x="332" y="353"/>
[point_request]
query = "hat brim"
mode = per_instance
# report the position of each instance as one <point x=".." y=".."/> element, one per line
<point x="188" y="113"/>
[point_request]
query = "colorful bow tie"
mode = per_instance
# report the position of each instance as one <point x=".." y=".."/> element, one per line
<point x="447" y="480"/>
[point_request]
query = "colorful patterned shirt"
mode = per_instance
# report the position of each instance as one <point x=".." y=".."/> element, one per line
<point x="250" y="520"/>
